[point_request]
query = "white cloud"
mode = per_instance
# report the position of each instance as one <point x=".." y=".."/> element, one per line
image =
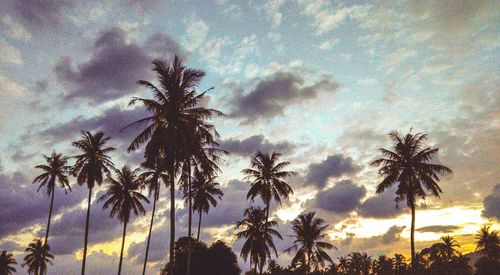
<point x="9" y="54"/>
<point x="328" y="44"/>
<point x="14" y="29"/>
<point x="196" y="31"/>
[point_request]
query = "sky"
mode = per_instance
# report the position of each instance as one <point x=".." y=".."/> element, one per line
<point x="322" y="82"/>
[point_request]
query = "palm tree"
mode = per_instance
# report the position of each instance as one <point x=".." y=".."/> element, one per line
<point x="409" y="165"/>
<point x="152" y="179"/>
<point x="56" y="170"/>
<point x="37" y="258"/>
<point x="259" y="237"/>
<point x="7" y="261"/>
<point x="448" y="247"/>
<point x="309" y="244"/>
<point x="383" y="265"/>
<point x="177" y="121"/>
<point x="488" y="242"/>
<point x="268" y="179"/>
<point x="91" y="167"/>
<point x="204" y="193"/>
<point x="359" y="263"/>
<point x="123" y="194"/>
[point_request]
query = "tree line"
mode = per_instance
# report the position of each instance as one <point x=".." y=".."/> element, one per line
<point x="180" y="150"/>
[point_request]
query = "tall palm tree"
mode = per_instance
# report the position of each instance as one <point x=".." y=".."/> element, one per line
<point x="177" y="120"/>
<point x="91" y="167"/>
<point x="37" y="258"/>
<point x="205" y="192"/>
<point x="54" y="171"/>
<point x="488" y="242"/>
<point x="124" y="196"/>
<point x="268" y="176"/>
<point x="259" y="237"/>
<point x="309" y="244"/>
<point x="7" y="261"/>
<point x="152" y="179"/>
<point x="409" y="165"/>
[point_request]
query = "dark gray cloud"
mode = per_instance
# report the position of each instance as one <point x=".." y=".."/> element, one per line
<point x="492" y="204"/>
<point x="382" y="205"/>
<point x="439" y="228"/>
<point x="274" y="93"/>
<point x="393" y="234"/>
<point x="343" y="197"/>
<point x="37" y="14"/>
<point x="22" y="206"/>
<point x="333" y="167"/>
<point x="231" y="208"/>
<point x="114" y="66"/>
<point x="248" y="146"/>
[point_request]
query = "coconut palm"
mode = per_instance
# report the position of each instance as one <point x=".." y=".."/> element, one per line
<point x="359" y="263"/>
<point x="54" y="171"/>
<point x="409" y="165"/>
<point x="177" y="121"/>
<point x="258" y="236"/>
<point x="7" y="261"/>
<point x="37" y="258"/>
<point x="124" y="196"/>
<point x="383" y="265"/>
<point x="309" y="235"/>
<point x="267" y="175"/>
<point x="152" y="179"/>
<point x="205" y="192"/>
<point x="91" y="167"/>
<point x="488" y="242"/>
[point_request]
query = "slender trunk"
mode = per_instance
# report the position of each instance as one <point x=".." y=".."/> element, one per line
<point x="199" y="227"/>
<point x="123" y="245"/>
<point x="412" y="239"/>
<point x="172" y="218"/>
<point x="267" y="211"/>
<point x="190" y="216"/>
<point x="36" y="270"/>
<point x="50" y="215"/>
<point x="150" y="228"/>
<point x="86" y="232"/>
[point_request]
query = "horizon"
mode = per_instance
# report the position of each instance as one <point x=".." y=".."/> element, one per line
<point x="321" y="82"/>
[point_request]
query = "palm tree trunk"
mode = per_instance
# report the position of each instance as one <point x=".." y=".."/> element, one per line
<point x="50" y="215"/>
<point x="199" y="227"/>
<point x="86" y="232"/>
<point x="172" y="218"/>
<point x="412" y="239"/>
<point x="190" y="217"/>
<point x="150" y="228"/>
<point x="123" y="245"/>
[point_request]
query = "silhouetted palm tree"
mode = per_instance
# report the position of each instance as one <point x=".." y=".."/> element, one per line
<point x="7" y="261"/>
<point x="91" y="167"/>
<point x="177" y="121"/>
<point x="55" y="171"/>
<point x="383" y="265"/>
<point x="37" y="258"/>
<point x="268" y="176"/>
<point x="359" y="263"/>
<point x="488" y="242"/>
<point x="152" y="179"/>
<point x="449" y="245"/>
<point x="309" y="244"/>
<point x="409" y="165"/>
<point x="124" y="196"/>
<point x="204" y="193"/>
<point x="258" y="236"/>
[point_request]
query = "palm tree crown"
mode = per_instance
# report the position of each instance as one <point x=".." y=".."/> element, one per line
<point x="259" y="237"/>
<point x="37" y="258"/>
<point x="7" y="261"/>
<point x="94" y="162"/>
<point x="488" y="242"/>
<point x="268" y="176"/>
<point x="309" y="244"/>
<point x="54" y="171"/>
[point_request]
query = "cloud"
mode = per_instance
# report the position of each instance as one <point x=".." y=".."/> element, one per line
<point x="439" y="228"/>
<point x="382" y="206"/>
<point x="334" y="166"/>
<point x="114" y="66"/>
<point x="231" y="208"/>
<point x="9" y="53"/>
<point x="37" y="14"/>
<point x="248" y="146"/>
<point x="23" y="207"/>
<point x="274" y="93"/>
<point x="393" y="234"/>
<point x="343" y="197"/>
<point x="492" y="204"/>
